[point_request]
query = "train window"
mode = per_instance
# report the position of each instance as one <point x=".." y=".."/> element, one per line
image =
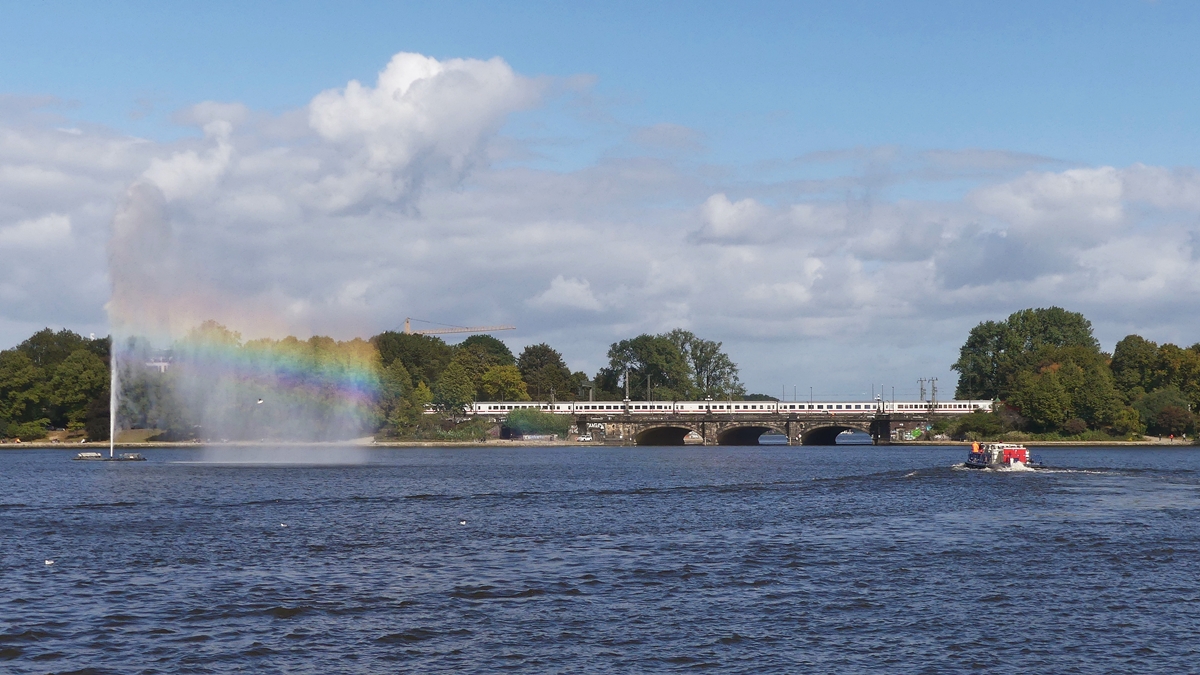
<point x="820" y="407"/>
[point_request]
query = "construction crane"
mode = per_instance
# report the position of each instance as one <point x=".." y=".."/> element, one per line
<point x="449" y="329"/>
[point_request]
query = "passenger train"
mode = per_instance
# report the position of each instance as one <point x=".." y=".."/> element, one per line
<point x="824" y="408"/>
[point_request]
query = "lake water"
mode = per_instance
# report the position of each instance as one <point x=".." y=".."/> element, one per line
<point x="727" y="559"/>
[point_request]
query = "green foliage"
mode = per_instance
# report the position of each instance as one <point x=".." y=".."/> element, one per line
<point x="1173" y="419"/>
<point x="19" y="391"/>
<point x="607" y="385"/>
<point x="1128" y="422"/>
<point x="454" y="390"/>
<point x="980" y="362"/>
<point x="1152" y="406"/>
<point x="657" y="366"/>
<point x="395" y="386"/>
<point x="526" y="421"/>
<point x="96" y="424"/>
<point x="79" y="379"/>
<point x="758" y="397"/>
<point x="504" y="383"/>
<point x="498" y="352"/>
<point x="1133" y="364"/>
<point x="981" y="424"/>
<point x="546" y="374"/>
<point x="714" y="374"/>
<point x="47" y="349"/>
<point x="1042" y="398"/>
<point x="421" y="396"/>
<point x="995" y="352"/>
<point x="28" y="431"/>
<point x="49" y="380"/>
<point x="424" y="356"/>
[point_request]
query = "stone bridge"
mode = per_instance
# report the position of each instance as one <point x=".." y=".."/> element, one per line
<point x="742" y="429"/>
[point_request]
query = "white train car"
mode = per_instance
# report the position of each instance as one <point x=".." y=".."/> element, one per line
<point x="824" y="408"/>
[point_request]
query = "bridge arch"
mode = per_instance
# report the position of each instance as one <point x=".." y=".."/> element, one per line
<point x="827" y="434"/>
<point x="662" y="435"/>
<point x="746" y="435"/>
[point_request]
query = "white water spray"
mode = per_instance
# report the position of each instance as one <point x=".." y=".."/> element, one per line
<point x="112" y="399"/>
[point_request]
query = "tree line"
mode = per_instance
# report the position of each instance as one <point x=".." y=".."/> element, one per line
<point x="215" y="384"/>
<point x="1049" y="373"/>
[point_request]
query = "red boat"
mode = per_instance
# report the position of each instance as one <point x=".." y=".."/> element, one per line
<point x="998" y="456"/>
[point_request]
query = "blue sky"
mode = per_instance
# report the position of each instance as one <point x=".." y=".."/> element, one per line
<point x="796" y="179"/>
<point x="1095" y="82"/>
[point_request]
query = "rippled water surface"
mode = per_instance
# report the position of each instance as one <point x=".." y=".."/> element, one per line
<point x="764" y="559"/>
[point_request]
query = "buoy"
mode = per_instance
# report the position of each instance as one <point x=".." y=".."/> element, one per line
<point x="49" y="562"/>
<point x="283" y="524"/>
<point x="462" y="522"/>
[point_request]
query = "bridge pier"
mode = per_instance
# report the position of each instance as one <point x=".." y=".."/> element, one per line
<point x="881" y="430"/>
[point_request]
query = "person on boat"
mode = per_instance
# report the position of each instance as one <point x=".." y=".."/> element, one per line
<point x="975" y="447"/>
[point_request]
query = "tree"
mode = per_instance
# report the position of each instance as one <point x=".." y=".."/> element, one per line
<point x="1133" y="363"/>
<point x="48" y="349"/>
<point x="1174" y="420"/>
<point x="504" y="383"/>
<point x="498" y="352"/>
<point x="1033" y="329"/>
<point x="979" y="365"/>
<point x="655" y="367"/>
<point x="713" y="372"/>
<point x="545" y="373"/>
<point x="1094" y="398"/>
<point x="79" y="379"/>
<point x="454" y="390"/>
<point x="1128" y="422"/>
<point x="1029" y="339"/>
<point x="1042" y="399"/>
<point x="97" y="423"/>
<point x="1151" y="405"/>
<point x="19" y="378"/>
<point x="395" y="384"/>
<point x="1179" y="368"/>
<point x="606" y="386"/>
<point x="422" y="355"/>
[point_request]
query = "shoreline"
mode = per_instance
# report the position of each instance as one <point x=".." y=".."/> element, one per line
<point x="494" y="443"/>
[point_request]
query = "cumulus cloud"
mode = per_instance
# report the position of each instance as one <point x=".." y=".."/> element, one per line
<point x="728" y="221"/>
<point x="50" y="230"/>
<point x="422" y="117"/>
<point x="567" y="293"/>
<point x="378" y="201"/>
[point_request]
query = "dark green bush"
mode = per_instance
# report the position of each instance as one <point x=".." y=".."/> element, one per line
<point x="525" y="421"/>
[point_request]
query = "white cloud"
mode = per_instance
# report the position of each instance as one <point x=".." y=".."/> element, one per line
<point x="422" y="110"/>
<point x="50" y="230"/>
<point x="567" y="293"/>
<point x="1079" y="202"/>
<point x="728" y="221"/>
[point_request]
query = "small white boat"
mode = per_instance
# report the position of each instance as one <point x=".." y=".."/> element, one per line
<point x="99" y="457"/>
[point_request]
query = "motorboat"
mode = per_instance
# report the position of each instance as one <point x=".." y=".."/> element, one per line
<point x="998" y="456"/>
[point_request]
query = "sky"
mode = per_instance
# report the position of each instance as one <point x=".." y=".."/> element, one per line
<point x="837" y="192"/>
